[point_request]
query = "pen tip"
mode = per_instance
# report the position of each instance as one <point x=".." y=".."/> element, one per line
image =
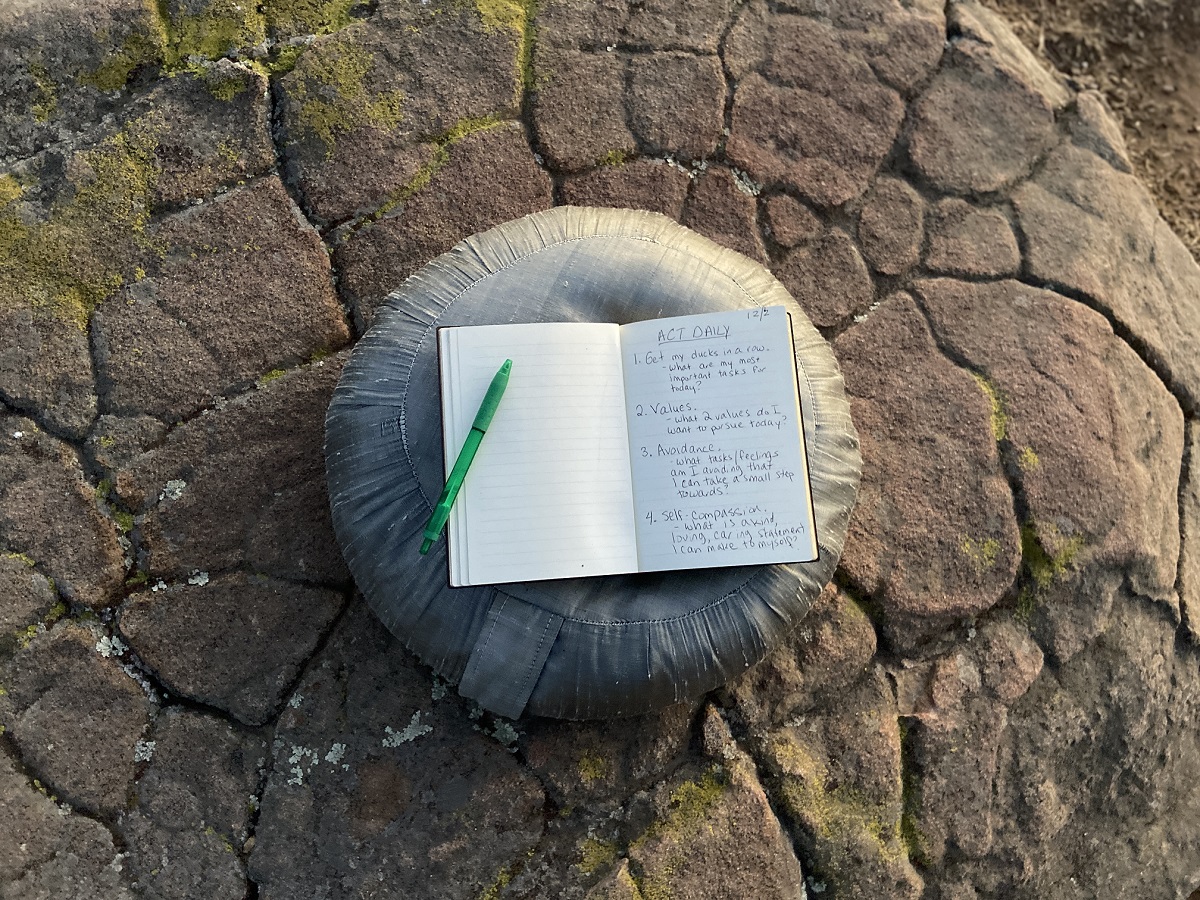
<point x="425" y="545"/>
<point x="507" y="367"/>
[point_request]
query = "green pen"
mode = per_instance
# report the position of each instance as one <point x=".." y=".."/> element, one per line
<point x="483" y="418"/>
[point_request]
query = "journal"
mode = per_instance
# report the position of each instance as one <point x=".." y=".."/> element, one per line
<point x="662" y="444"/>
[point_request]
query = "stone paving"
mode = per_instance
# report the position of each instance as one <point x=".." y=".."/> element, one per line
<point x="202" y="205"/>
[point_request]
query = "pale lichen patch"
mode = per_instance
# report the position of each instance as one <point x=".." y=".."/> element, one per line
<point x="110" y="646"/>
<point x="413" y="730"/>
<point x="172" y="490"/>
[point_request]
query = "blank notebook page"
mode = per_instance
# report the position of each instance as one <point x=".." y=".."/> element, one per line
<point x="549" y="494"/>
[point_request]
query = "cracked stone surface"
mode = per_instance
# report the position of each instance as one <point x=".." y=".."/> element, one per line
<point x="836" y="771"/>
<point x="734" y="840"/>
<point x="53" y="67"/>
<point x="971" y="242"/>
<point x="1098" y="450"/>
<point x="641" y="184"/>
<point x="722" y="209"/>
<point x="196" y="797"/>
<point x="660" y="122"/>
<point x="208" y="317"/>
<point x="828" y="278"/>
<point x="201" y="205"/>
<point x="814" y="110"/>
<point x="463" y="197"/>
<point x="28" y="595"/>
<point x="933" y="537"/>
<point x="59" y="853"/>
<point x="377" y="786"/>
<point x="789" y="222"/>
<point x="49" y="515"/>
<point x="890" y="227"/>
<point x="365" y="109"/>
<point x="248" y="636"/>
<point x="225" y="489"/>
<point x="1095" y="231"/>
<point x="75" y="717"/>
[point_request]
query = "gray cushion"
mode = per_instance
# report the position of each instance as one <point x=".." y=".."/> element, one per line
<point x="583" y="648"/>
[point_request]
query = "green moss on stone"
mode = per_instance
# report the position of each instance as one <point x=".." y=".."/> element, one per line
<point x="281" y="61"/>
<point x="1047" y="556"/>
<point x="982" y="554"/>
<point x="221" y="27"/>
<point x="506" y="15"/>
<point x="10" y="190"/>
<point x="302" y="17"/>
<point x="1028" y="460"/>
<point x="180" y="41"/>
<point x="1027" y="602"/>
<point x="840" y="818"/>
<point x="914" y="839"/>
<point x="124" y="520"/>
<point x="593" y="767"/>
<point x="1046" y="567"/>
<point x="515" y="17"/>
<point x="499" y="883"/>
<point x="595" y="855"/>
<point x="273" y="375"/>
<point x="145" y="45"/>
<point x="226" y="88"/>
<point x="441" y="156"/>
<point x="67" y="264"/>
<point x="332" y="97"/>
<point x="22" y="558"/>
<point x="47" y="94"/>
<point x="613" y="158"/>
<point x="999" y="416"/>
<point x="689" y="805"/>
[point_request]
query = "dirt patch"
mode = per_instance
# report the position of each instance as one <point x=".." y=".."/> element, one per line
<point x="1145" y="57"/>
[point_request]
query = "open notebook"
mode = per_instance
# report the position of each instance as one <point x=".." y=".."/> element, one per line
<point x="663" y="444"/>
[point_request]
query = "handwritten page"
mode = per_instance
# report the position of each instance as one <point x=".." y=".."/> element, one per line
<point x="717" y="447"/>
<point x="549" y="493"/>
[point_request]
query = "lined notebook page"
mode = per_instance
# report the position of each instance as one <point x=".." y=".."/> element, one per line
<point x="549" y="494"/>
<point x="720" y="475"/>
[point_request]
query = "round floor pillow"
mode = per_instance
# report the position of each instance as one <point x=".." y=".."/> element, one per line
<point x="588" y="647"/>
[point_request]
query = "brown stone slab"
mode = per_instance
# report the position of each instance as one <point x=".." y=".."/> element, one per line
<point x="722" y="208"/>
<point x="377" y="783"/>
<point x="933" y="536"/>
<point x="641" y="184"/>
<point x="242" y="486"/>
<point x="48" y="513"/>
<point x="1097" y="232"/>
<point x="75" y="717"/>
<point x="235" y="642"/>
<point x="243" y="288"/>
<point x="463" y="197"/>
